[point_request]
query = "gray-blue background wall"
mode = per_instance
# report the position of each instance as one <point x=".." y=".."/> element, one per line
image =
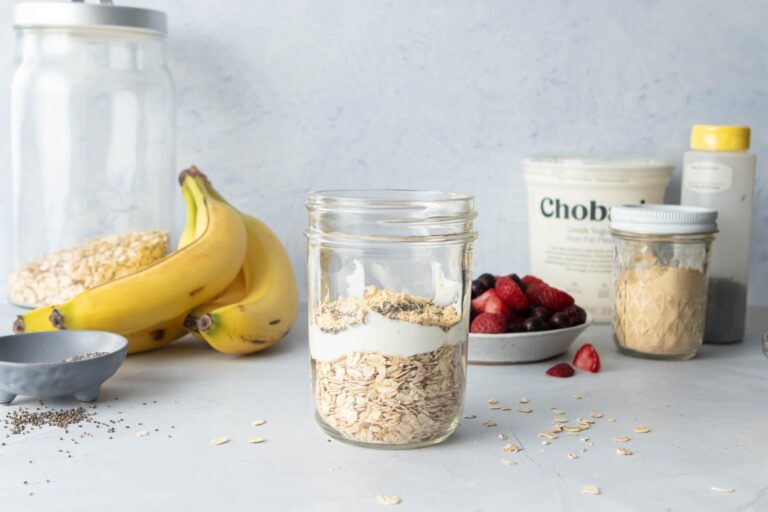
<point x="277" y="98"/>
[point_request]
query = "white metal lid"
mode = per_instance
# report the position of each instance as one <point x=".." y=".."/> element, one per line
<point x="81" y="14"/>
<point x="663" y="219"/>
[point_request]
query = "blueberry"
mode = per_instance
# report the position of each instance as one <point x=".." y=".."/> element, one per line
<point x="534" y="324"/>
<point x="541" y="313"/>
<point x="488" y="280"/>
<point x="518" y="281"/>
<point x="478" y="288"/>
<point x="576" y="314"/>
<point x="560" y="320"/>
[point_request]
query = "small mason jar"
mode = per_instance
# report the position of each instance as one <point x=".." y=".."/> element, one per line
<point x="660" y="270"/>
<point x="389" y="297"/>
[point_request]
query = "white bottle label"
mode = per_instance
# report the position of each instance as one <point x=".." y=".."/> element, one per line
<point x="707" y="177"/>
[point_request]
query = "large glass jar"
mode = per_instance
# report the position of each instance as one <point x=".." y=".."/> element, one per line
<point x="92" y="147"/>
<point x="660" y="268"/>
<point x="389" y="274"/>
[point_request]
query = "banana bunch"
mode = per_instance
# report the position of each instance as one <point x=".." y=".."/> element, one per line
<point x="229" y="282"/>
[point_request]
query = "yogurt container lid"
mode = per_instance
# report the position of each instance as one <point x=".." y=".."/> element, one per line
<point x="663" y="219"/>
<point x="596" y="164"/>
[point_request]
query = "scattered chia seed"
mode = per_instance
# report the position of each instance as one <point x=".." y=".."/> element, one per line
<point x="84" y="357"/>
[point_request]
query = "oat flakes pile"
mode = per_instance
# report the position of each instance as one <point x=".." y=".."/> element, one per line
<point x="338" y="315"/>
<point x="375" y="398"/>
<point x="59" y="276"/>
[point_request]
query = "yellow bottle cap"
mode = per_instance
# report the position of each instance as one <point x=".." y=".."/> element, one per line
<point x="710" y="137"/>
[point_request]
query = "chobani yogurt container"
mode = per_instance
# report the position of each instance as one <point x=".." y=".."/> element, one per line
<point x="568" y="204"/>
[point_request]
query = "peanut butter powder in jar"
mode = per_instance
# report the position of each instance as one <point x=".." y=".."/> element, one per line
<point x="660" y="269"/>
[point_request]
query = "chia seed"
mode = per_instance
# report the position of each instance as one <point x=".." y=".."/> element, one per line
<point x="726" y="311"/>
<point x="84" y="357"/>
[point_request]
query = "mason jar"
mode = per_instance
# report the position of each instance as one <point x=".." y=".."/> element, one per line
<point x="389" y="300"/>
<point x="92" y="147"/>
<point x="660" y="267"/>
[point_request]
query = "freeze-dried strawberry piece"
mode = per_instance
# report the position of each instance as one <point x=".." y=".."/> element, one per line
<point x="587" y="359"/>
<point x="511" y="294"/>
<point x="561" y="370"/>
<point x="529" y="280"/>
<point x="488" y="323"/>
<point x="551" y="298"/>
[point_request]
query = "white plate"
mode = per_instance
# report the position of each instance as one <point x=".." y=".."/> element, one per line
<point x="522" y="347"/>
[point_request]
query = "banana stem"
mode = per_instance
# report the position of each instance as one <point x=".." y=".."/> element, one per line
<point x="18" y="325"/>
<point x="204" y="323"/>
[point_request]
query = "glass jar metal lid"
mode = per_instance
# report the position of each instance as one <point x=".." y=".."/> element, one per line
<point x="663" y="219"/>
<point x="390" y="215"/>
<point x="81" y="14"/>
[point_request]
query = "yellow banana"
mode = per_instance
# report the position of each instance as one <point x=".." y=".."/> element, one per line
<point x="156" y="336"/>
<point x="172" y="286"/>
<point x="269" y="308"/>
<point x="189" y="234"/>
<point x="38" y="319"/>
<point x="235" y="292"/>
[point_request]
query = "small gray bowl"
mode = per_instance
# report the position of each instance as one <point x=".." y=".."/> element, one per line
<point x="33" y="364"/>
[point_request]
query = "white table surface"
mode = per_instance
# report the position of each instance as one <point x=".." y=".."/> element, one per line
<point x="709" y="418"/>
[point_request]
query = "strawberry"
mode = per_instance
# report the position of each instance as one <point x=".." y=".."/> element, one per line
<point x="495" y="306"/>
<point x="478" y="303"/>
<point x="561" y="370"/>
<point x="529" y="280"/>
<point x="490" y="302"/>
<point x="488" y="323"/>
<point x="551" y="298"/>
<point x="587" y="359"/>
<point x="511" y="294"/>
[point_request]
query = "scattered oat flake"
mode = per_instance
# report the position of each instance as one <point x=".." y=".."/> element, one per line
<point x="621" y="439"/>
<point x="576" y="397"/>
<point x="572" y="456"/>
<point x="609" y="419"/>
<point x="388" y="499"/>
<point x="219" y="440"/>
<point x="256" y="440"/>
<point x="590" y="489"/>
<point x="470" y="416"/>
<point x="505" y="408"/>
<point x="584" y="439"/>
<point x="548" y="435"/>
<point x="490" y="423"/>
<point x="492" y="402"/>
<point x="560" y="419"/>
<point x="546" y="443"/>
<point x="623" y="451"/>
<point x="258" y="423"/>
<point x="522" y="400"/>
<point x="503" y="437"/>
<point x="571" y="428"/>
<point x="495" y="407"/>
<point x="723" y="490"/>
<point x="573" y="434"/>
<point x="642" y="429"/>
<point x="583" y="450"/>
<point x="525" y="410"/>
<point x="597" y="415"/>
<point x="511" y="448"/>
<point x="508" y="462"/>
<point x="559" y="412"/>
<point x="143" y="433"/>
